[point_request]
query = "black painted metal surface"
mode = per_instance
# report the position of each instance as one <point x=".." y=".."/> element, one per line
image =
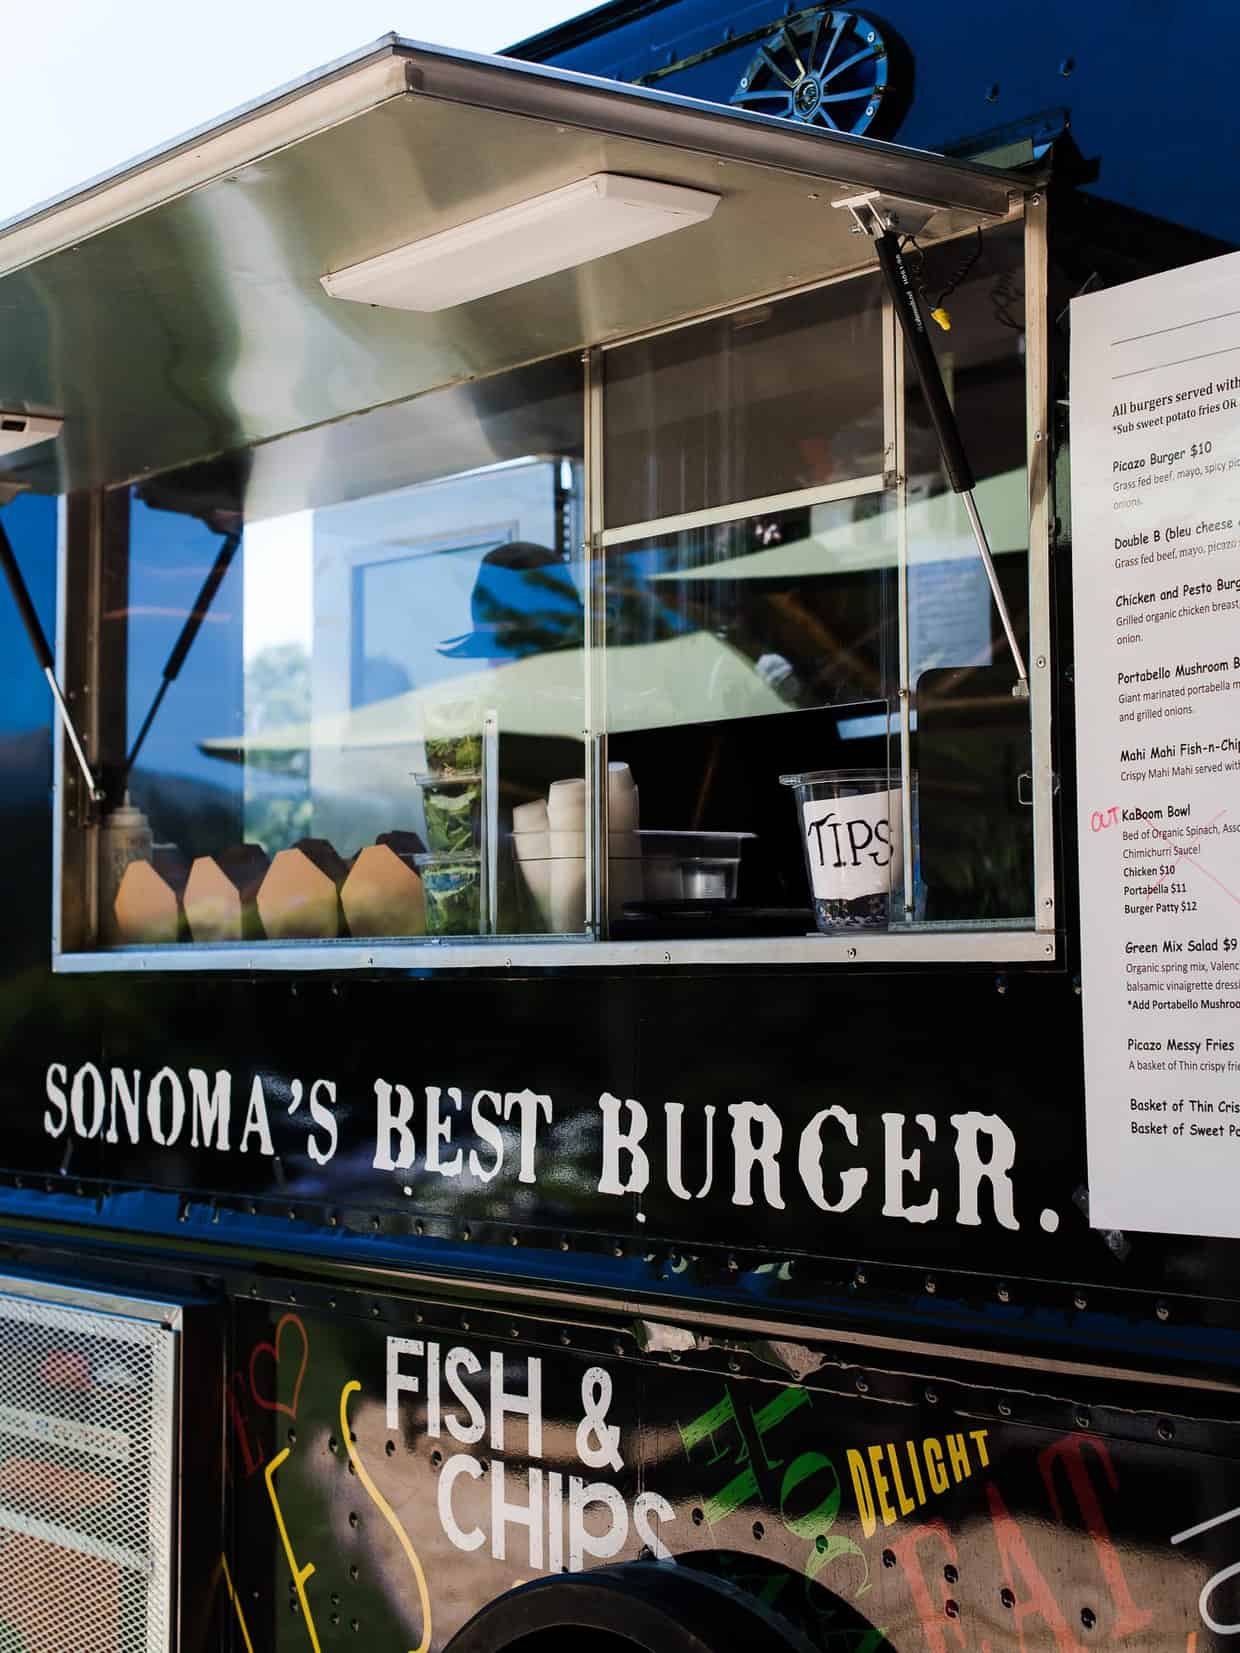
<point x="945" y="1415"/>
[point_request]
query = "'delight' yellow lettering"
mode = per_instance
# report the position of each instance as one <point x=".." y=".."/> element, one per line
<point x="905" y="1502"/>
<point x="911" y="1448"/>
<point x="958" y="1452"/>
<point x="934" y="1465"/>
<point x="861" y="1491"/>
<point x="881" y="1486"/>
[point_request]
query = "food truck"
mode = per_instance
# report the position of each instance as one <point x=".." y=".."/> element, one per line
<point x="564" y="847"/>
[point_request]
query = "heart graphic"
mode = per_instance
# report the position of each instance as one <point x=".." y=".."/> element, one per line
<point x="273" y="1350"/>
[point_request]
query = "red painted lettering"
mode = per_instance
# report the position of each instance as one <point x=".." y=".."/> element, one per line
<point x="935" y="1625"/>
<point x="1129" y="1618"/>
<point x="1034" y="1597"/>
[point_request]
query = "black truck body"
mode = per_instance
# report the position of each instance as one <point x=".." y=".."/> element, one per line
<point x="705" y="1295"/>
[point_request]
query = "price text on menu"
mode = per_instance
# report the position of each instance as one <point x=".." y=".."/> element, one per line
<point x="1155" y="409"/>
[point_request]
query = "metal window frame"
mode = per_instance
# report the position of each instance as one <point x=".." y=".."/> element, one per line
<point x="75" y="859"/>
<point x="765" y="505"/>
<point x="1037" y="448"/>
<point x="894" y="415"/>
<point x="598" y="825"/>
<point x="1030" y="942"/>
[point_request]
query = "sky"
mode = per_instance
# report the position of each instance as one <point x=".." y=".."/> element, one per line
<point x="89" y="84"/>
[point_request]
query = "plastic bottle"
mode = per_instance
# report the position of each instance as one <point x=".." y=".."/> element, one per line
<point x="125" y="836"/>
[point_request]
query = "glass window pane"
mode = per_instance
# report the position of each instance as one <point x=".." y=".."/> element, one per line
<point x="736" y="654"/>
<point x="27" y="717"/>
<point x="776" y="398"/>
<point x="381" y="681"/>
<point x="971" y="743"/>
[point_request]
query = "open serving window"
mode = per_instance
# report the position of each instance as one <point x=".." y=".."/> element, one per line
<point x="625" y="609"/>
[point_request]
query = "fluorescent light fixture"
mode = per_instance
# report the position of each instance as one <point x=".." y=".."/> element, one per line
<point x="589" y="219"/>
<point x="24" y="430"/>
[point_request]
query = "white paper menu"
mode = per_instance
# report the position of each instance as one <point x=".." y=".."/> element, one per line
<point x="1155" y="411"/>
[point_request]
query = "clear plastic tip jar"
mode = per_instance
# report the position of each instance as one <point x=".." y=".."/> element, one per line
<point x="852" y="841"/>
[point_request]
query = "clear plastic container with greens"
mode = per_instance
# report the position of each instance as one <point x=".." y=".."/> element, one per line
<point x="453" y="887"/>
<point x="452" y="807"/>
<point x="453" y="737"/>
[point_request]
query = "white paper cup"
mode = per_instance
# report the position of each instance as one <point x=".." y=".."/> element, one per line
<point x="566" y="795"/>
<point x="566" y="819"/>
<point x="568" y="893"/>
<point x="531" y="817"/>
<point x="622" y="812"/>
<point x="531" y="846"/>
<point x="534" y="868"/>
<point x="566" y="806"/>
<point x="566" y="843"/>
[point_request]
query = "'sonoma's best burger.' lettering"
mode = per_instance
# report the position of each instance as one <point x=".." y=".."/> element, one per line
<point x="745" y="1151"/>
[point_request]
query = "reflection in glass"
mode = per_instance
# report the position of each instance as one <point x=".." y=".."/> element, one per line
<point x="743" y="619"/>
<point x="31" y="522"/>
<point x="379" y="727"/>
<point x="379" y="682"/>
<point x="972" y="740"/>
<point x="734" y="654"/>
<point x="775" y="398"/>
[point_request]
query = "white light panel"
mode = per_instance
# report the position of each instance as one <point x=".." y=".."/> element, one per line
<point x="24" y="430"/>
<point x="597" y="215"/>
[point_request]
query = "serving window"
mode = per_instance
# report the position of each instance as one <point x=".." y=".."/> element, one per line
<point x="679" y="650"/>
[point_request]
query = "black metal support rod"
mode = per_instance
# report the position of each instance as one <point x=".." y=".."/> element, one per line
<point x="185" y="642"/>
<point x="43" y="654"/>
<point x="899" y="281"/>
<point x="904" y="297"/>
<point x="25" y="604"/>
<point x="145" y="729"/>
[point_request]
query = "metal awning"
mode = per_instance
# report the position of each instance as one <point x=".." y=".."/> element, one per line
<point x="173" y="309"/>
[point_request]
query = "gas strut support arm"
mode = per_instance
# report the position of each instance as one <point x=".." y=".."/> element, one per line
<point x="185" y="641"/>
<point x="907" y="305"/>
<point x="43" y="654"/>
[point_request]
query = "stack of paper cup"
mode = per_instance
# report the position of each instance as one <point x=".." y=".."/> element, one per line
<point x="566" y="806"/>
<point x="624" y="871"/>
<point x="549" y="841"/>
<point x="530" y="818"/>
<point x="531" y="844"/>
<point x="566" y="820"/>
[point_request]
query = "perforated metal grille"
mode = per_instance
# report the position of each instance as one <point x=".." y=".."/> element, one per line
<point x="86" y="1449"/>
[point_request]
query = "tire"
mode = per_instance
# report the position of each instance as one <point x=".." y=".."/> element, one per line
<point x="643" y="1606"/>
